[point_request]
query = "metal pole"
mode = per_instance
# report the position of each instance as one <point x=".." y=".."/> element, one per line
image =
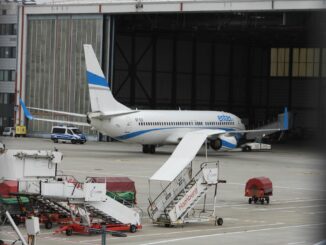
<point x="16" y="228"/>
<point x="206" y="149"/>
<point x="103" y="234"/>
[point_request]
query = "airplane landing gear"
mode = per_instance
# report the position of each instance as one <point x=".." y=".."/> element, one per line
<point x="149" y="149"/>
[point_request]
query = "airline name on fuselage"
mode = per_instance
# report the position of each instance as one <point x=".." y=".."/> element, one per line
<point x="224" y="118"/>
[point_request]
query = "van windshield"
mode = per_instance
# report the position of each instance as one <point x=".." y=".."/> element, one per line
<point x="76" y="131"/>
<point x="6" y="129"/>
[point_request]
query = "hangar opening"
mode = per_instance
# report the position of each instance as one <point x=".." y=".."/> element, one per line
<point x="251" y="64"/>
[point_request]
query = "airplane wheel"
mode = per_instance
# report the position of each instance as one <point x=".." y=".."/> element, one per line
<point x="145" y="149"/>
<point x="152" y="149"/>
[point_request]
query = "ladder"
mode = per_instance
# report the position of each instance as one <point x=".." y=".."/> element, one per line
<point x="179" y="203"/>
<point x="100" y="214"/>
<point x="114" y="212"/>
<point x="51" y="206"/>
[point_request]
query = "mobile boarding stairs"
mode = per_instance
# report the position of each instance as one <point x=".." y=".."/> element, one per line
<point x="36" y="174"/>
<point x="177" y="203"/>
<point x="92" y="197"/>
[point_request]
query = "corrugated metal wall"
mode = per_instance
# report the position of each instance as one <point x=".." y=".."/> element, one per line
<point x="55" y="66"/>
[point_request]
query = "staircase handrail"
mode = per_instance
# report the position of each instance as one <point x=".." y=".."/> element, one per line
<point x="150" y="214"/>
<point x="200" y="171"/>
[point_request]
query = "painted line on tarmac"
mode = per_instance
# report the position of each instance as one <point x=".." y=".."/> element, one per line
<point x="247" y="206"/>
<point x="189" y="231"/>
<point x="234" y="233"/>
<point x="284" y="187"/>
<point x="285" y="208"/>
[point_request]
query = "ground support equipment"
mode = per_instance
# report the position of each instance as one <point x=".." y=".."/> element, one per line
<point x="259" y="190"/>
<point x="178" y="203"/>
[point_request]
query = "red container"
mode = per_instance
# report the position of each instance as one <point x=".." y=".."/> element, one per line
<point x="259" y="189"/>
<point x="117" y="184"/>
<point x="7" y="187"/>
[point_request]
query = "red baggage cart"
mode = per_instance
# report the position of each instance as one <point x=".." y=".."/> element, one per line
<point x="259" y="189"/>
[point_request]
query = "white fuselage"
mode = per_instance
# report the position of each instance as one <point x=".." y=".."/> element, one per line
<point x="161" y="127"/>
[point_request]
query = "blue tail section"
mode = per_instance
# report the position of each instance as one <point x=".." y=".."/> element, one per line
<point x="286" y="119"/>
<point x="96" y="80"/>
<point x="27" y="113"/>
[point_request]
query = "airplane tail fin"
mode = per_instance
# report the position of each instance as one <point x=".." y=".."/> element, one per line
<point x="286" y="119"/>
<point x="101" y="96"/>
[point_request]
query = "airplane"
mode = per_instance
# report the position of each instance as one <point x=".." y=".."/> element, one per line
<point x="152" y="128"/>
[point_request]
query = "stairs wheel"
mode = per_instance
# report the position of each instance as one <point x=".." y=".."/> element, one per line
<point x="133" y="228"/>
<point x="69" y="232"/>
<point x="48" y="225"/>
<point x="219" y="222"/>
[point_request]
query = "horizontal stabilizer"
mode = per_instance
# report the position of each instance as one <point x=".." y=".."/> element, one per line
<point x="30" y="117"/>
<point x="62" y="122"/>
<point x="58" y="112"/>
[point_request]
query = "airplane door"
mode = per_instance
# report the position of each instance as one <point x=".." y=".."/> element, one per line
<point x="128" y="127"/>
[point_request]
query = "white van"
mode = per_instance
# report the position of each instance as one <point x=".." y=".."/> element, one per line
<point x="9" y="131"/>
<point x="67" y="134"/>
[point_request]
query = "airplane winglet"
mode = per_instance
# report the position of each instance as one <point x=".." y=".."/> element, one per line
<point x="286" y="119"/>
<point x="27" y="113"/>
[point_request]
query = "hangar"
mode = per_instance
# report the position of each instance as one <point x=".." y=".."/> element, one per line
<point x="248" y="57"/>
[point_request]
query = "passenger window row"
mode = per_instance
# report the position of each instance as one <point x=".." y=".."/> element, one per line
<point x="184" y="123"/>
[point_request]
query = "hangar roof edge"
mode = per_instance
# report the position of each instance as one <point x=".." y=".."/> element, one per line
<point x="165" y="6"/>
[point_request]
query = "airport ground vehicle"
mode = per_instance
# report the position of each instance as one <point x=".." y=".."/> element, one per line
<point x="259" y="189"/>
<point x="20" y="131"/>
<point x="8" y="131"/>
<point x="255" y="146"/>
<point x="67" y="134"/>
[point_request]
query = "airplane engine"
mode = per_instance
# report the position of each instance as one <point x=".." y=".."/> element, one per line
<point x="224" y="143"/>
<point x="216" y="144"/>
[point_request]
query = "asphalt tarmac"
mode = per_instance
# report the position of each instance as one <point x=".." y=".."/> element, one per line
<point x="295" y="215"/>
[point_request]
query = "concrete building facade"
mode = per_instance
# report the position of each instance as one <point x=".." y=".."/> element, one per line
<point x="8" y="54"/>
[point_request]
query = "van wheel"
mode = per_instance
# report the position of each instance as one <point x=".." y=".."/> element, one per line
<point x="73" y="142"/>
